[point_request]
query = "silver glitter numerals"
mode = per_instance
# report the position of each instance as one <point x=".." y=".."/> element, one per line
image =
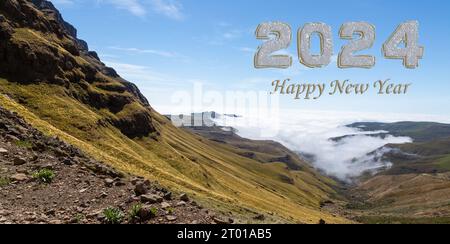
<point x="304" y="45"/>
<point x="407" y="33"/>
<point x="264" y="57"/>
<point x="279" y="35"/>
<point x="366" y="32"/>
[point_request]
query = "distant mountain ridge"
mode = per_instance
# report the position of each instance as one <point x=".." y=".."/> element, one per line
<point x="418" y="131"/>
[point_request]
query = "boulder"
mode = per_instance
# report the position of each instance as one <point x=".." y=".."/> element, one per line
<point x="184" y="197"/>
<point x="19" y="177"/>
<point x="140" y="189"/>
<point x="19" y="161"/>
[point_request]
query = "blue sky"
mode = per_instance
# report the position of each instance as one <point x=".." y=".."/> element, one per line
<point x="167" y="45"/>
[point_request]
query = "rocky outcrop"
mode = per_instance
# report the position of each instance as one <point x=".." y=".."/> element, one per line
<point x="38" y="46"/>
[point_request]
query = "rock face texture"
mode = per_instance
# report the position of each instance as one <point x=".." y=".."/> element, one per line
<point x="37" y="45"/>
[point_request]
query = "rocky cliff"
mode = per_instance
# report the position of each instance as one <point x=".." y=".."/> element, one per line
<point x="37" y="45"/>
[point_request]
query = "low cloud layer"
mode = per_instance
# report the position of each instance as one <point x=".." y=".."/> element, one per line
<point x="309" y="133"/>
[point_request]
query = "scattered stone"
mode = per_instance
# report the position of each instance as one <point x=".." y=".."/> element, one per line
<point x="165" y="205"/>
<point x="3" y="151"/>
<point x="19" y="161"/>
<point x="171" y="218"/>
<point x="19" y="177"/>
<point x="168" y="196"/>
<point x="109" y="182"/>
<point x="56" y="222"/>
<point x="134" y="181"/>
<point x="119" y="183"/>
<point x="260" y="217"/>
<point x="181" y="204"/>
<point x="140" y="189"/>
<point x="50" y="212"/>
<point x="146" y="213"/>
<point x="151" y="198"/>
<point x="67" y="161"/>
<point x="220" y="221"/>
<point x="184" y="197"/>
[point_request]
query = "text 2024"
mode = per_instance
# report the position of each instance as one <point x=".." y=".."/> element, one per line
<point x="279" y="36"/>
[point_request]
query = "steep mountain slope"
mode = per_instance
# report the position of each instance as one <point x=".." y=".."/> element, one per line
<point x="50" y="78"/>
<point x="44" y="180"/>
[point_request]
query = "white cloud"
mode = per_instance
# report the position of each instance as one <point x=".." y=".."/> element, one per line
<point x="169" y="8"/>
<point x="143" y="75"/>
<point x="62" y="2"/>
<point x="247" y="49"/>
<point x="133" y="6"/>
<point x="165" y="54"/>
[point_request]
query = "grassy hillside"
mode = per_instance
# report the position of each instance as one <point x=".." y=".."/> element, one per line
<point x="214" y="173"/>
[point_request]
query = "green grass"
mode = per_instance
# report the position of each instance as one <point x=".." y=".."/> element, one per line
<point x="24" y="144"/>
<point x="444" y="163"/>
<point x="154" y="211"/>
<point x="170" y="210"/>
<point x="45" y="176"/>
<point x="78" y="218"/>
<point x="113" y="216"/>
<point x="133" y="213"/>
<point x="4" y="181"/>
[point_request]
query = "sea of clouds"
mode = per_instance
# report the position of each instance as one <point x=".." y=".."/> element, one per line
<point x="309" y="133"/>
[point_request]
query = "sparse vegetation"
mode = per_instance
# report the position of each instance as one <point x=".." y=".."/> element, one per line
<point x="170" y="210"/>
<point x="113" y="216"/>
<point x="79" y="218"/>
<point x="44" y="175"/>
<point x="4" y="181"/>
<point x="24" y="144"/>
<point x="133" y="214"/>
<point x="154" y="211"/>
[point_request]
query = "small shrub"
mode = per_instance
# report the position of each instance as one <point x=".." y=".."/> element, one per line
<point x="113" y="216"/>
<point x="4" y="181"/>
<point x="24" y="144"/>
<point x="134" y="212"/>
<point x="154" y="212"/>
<point x="45" y="176"/>
<point x="79" y="218"/>
<point x="170" y="210"/>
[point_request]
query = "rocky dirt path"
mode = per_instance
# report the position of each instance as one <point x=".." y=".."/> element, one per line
<point x="44" y="180"/>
